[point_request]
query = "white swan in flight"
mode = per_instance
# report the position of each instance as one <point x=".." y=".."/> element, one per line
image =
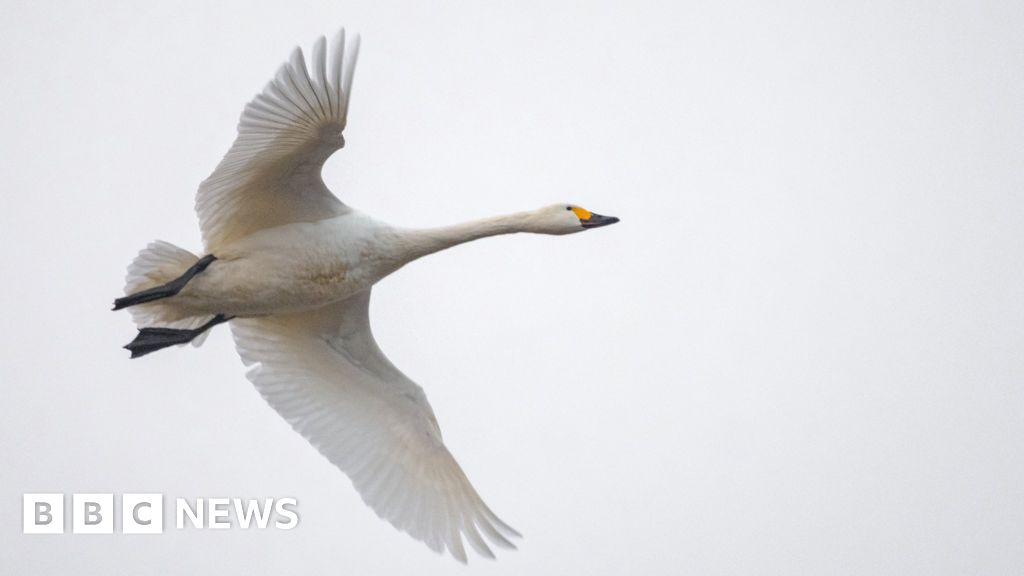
<point x="291" y="267"/>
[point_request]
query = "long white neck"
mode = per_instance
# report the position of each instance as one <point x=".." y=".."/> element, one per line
<point x="421" y="242"/>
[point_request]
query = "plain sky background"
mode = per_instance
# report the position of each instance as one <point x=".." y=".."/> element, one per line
<point x="800" y="352"/>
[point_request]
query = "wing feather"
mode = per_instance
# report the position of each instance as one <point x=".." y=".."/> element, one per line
<point x="324" y="373"/>
<point x="320" y="67"/>
<point x="338" y="44"/>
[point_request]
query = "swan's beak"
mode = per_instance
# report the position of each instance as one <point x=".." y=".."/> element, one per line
<point x="597" y="220"/>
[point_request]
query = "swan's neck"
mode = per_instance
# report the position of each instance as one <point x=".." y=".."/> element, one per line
<point x="422" y="242"/>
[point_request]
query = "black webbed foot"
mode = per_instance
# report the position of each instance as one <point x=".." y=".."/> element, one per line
<point x="166" y="290"/>
<point x="153" y="339"/>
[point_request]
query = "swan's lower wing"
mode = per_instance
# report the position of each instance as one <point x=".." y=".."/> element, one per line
<point x="324" y="373"/>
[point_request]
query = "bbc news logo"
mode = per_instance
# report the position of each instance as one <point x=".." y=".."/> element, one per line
<point x="144" y="513"/>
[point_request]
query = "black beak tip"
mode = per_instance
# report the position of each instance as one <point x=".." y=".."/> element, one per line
<point x="597" y="220"/>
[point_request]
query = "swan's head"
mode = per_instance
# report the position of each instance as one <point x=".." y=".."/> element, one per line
<point x="568" y="218"/>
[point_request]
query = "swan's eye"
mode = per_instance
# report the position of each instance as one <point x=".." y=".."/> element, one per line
<point x="568" y="207"/>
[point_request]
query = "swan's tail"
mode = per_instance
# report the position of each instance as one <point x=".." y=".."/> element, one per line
<point x="156" y="265"/>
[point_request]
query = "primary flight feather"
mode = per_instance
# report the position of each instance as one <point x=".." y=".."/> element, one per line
<point x="291" y="267"/>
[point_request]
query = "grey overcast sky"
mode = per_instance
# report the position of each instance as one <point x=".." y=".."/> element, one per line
<point x="800" y="352"/>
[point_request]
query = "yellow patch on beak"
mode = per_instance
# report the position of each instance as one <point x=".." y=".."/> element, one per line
<point x="582" y="213"/>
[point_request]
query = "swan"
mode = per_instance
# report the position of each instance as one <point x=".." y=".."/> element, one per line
<point x="291" y="268"/>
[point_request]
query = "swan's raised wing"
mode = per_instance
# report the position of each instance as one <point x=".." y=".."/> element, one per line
<point x="323" y="371"/>
<point x="271" y="174"/>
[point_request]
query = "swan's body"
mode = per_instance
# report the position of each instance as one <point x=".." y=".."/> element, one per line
<point x="296" y="267"/>
<point x="292" y="267"/>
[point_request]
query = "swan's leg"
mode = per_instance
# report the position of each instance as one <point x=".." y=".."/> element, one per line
<point x="165" y="290"/>
<point x="153" y="339"/>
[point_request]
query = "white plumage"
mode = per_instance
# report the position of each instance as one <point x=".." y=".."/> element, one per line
<point x="284" y="136"/>
<point x="292" y="267"/>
